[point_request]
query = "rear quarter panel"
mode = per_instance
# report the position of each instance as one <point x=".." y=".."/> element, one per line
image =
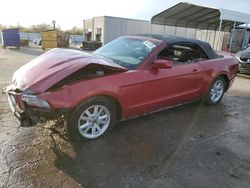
<point x="226" y="66"/>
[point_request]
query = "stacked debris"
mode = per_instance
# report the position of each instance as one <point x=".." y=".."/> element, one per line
<point x="91" y="45"/>
<point x="24" y="42"/>
<point x="62" y="39"/>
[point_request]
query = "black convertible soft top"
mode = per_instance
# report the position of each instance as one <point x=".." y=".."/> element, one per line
<point x="169" y="39"/>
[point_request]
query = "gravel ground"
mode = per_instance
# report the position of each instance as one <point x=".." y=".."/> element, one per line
<point x="187" y="146"/>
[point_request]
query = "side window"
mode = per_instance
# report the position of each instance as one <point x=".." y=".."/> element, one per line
<point x="183" y="53"/>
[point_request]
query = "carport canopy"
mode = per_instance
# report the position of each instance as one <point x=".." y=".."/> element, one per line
<point x="194" y="16"/>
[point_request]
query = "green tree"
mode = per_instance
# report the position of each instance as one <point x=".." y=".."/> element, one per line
<point x="10" y="26"/>
<point x="37" y="28"/>
<point x="2" y="27"/>
<point x="75" y="31"/>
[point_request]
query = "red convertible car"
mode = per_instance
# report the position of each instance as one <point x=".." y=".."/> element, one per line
<point x="130" y="76"/>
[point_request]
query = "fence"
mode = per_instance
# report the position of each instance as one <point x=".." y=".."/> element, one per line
<point x="74" y="39"/>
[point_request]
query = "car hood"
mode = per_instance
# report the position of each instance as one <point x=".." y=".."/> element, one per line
<point x="46" y="70"/>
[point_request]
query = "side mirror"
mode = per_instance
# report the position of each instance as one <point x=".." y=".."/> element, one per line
<point x="162" y="64"/>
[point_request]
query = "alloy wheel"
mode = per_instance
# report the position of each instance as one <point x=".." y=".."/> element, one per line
<point x="216" y="91"/>
<point x="94" y="121"/>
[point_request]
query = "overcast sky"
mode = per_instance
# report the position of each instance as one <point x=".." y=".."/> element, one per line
<point x="71" y="13"/>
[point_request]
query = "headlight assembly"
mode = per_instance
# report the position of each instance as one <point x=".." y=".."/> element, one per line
<point x="33" y="100"/>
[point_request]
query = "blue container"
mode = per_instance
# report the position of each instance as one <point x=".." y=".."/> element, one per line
<point x="11" y="37"/>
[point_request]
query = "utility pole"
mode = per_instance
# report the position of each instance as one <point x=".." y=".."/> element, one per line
<point x="54" y="24"/>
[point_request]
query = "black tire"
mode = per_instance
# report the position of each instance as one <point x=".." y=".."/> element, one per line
<point x="73" y="120"/>
<point x="208" y="99"/>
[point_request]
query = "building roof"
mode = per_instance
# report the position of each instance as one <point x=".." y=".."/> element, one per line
<point x="195" y="16"/>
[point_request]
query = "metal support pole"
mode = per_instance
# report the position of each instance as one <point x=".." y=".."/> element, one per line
<point x="185" y="31"/>
<point x="209" y="38"/>
<point x="195" y="33"/>
<point x="175" y="31"/>
<point x="248" y="39"/>
<point x="218" y="38"/>
<point x="164" y="30"/>
<point x="214" y="38"/>
<point x="206" y="35"/>
<point x="245" y="34"/>
<point x="231" y="39"/>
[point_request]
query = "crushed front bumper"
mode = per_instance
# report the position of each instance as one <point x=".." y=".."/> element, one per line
<point x="30" y="115"/>
<point x="18" y="112"/>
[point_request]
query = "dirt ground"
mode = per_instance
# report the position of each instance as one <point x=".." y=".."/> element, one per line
<point x="187" y="146"/>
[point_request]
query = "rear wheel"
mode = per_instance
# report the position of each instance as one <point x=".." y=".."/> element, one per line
<point x="215" y="91"/>
<point x="91" y="119"/>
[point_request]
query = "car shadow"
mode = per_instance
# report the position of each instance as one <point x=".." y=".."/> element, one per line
<point x="140" y="149"/>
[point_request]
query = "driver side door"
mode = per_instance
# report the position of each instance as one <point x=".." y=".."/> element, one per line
<point x="171" y="86"/>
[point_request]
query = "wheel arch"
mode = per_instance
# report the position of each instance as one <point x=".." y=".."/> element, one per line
<point x="226" y="78"/>
<point x="206" y="98"/>
<point x="115" y="101"/>
<point x="109" y="97"/>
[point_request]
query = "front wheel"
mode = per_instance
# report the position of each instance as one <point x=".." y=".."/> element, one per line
<point x="91" y="119"/>
<point x="215" y="91"/>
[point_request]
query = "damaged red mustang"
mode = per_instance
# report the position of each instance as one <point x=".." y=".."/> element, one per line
<point x="130" y="76"/>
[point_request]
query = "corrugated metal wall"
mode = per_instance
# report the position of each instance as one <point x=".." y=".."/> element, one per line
<point x="212" y="37"/>
<point x="115" y="27"/>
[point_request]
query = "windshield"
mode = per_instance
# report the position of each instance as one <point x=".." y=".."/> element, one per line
<point x="127" y="52"/>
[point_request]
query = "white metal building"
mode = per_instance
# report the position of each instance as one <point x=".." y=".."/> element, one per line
<point x="107" y="28"/>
